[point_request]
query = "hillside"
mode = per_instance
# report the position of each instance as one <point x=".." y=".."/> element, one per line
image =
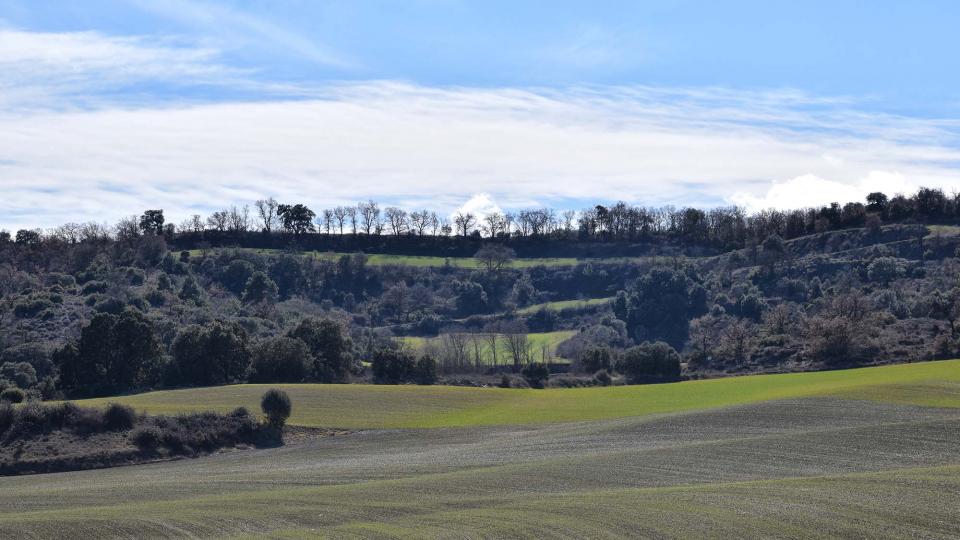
<point x="151" y="308"/>
<point x="845" y="453"/>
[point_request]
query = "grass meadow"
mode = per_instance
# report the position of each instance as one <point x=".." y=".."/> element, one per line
<point x="355" y="406"/>
<point x="865" y="453"/>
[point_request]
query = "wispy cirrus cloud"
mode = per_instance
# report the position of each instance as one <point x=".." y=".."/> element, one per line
<point x="437" y="147"/>
<point x="416" y="145"/>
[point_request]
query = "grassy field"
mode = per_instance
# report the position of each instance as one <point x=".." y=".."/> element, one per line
<point x="377" y="259"/>
<point x="798" y="468"/>
<point x="933" y="384"/>
<point x="565" y="304"/>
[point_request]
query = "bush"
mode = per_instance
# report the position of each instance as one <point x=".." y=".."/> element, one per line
<point x="603" y="378"/>
<point x="119" y="417"/>
<point x="7" y="416"/>
<point x="536" y="374"/>
<point x="651" y="362"/>
<point x="276" y="405"/>
<point x="147" y="438"/>
<point x="30" y="306"/>
<point x="94" y="287"/>
<point x="426" y="370"/>
<point x="280" y="359"/>
<point x="13" y="395"/>
<point x="504" y="381"/>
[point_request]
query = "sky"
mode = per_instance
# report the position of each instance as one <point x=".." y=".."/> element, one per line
<point x="108" y="108"/>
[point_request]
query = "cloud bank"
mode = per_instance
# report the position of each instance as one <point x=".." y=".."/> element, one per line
<point x="432" y="147"/>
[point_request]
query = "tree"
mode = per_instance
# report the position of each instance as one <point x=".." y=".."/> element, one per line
<point x="397" y="218"/>
<point x="151" y="222"/>
<point x="281" y="360"/>
<point x="190" y="290"/>
<point x="213" y="354"/>
<point x="651" y="362"/>
<point x="464" y="223"/>
<point x="267" y="210"/>
<point x="660" y="305"/>
<point x="115" y="353"/>
<point x="276" y="405"/>
<point x="536" y="374"/>
<point x="885" y="269"/>
<point x="260" y="289"/>
<point x="369" y="217"/>
<point x="236" y="275"/>
<point x="330" y="347"/>
<point x="493" y="257"/>
<point x="296" y="218"/>
<point x="393" y="365"/>
<point x="877" y="203"/>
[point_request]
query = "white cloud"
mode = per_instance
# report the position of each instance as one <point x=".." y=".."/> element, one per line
<point x="480" y="205"/>
<point x="56" y="63"/>
<point x="241" y="29"/>
<point x="810" y="190"/>
<point x="436" y="147"/>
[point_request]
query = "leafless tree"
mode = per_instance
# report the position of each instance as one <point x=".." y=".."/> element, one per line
<point x="420" y="221"/>
<point x="464" y="223"/>
<point x="397" y="218"/>
<point x="370" y="217"/>
<point x="267" y="209"/>
<point x="218" y="221"/>
<point x="494" y="257"/>
<point x="327" y="220"/>
<point x="340" y="214"/>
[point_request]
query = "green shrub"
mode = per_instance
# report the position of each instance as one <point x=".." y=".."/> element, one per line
<point x="536" y="374"/>
<point x="29" y="307"/>
<point x="119" y="417"/>
<point x="7" y="416"/>
<point x="651" y="362"/>
<point x="13" y="395"/>
<point x="276" y="405"/>
<point x="146" y="438"/>
<point x="603" y="378"/>
<point x="93" y="287"/>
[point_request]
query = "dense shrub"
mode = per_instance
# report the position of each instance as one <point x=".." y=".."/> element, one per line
<point x="603" y="378"/>
<point x="118" y="417"/>
<point x="13" y="395"/>
<point x="7" y="416"/>
<point x="651" y="362"/>
<point x="146" y="438"/>
<point x="276" y="406"/>
<point x="280" y="359"/>
<point x="536" y="374"/>
<point x="31" y="306"/>
<point x="92" y="287"/>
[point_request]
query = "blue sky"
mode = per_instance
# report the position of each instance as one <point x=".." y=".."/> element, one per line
<point x="109" y="107"/>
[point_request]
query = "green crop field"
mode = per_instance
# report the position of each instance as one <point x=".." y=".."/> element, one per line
<point x="565" y="304"/>
<point x="378" y="259"/>
<point x="864" y="453"/>
<point x="935" y="384"/>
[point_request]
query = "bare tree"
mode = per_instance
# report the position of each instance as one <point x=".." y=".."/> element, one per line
<point x="267" y="209"/>
<point x="370" y="217"/>
<point x="420" y="221"/>
<point x="397" y="217"/>
<point x="218" y="221"/>
<point x="464" y="222"/>
<point x="327" y="220"/>
<point x="340" y="215"/>
<point x="494" y="257"/>
<point x="352" y="216"/>
<point x="238" y="220"/>
<point x="494" y="224"/>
